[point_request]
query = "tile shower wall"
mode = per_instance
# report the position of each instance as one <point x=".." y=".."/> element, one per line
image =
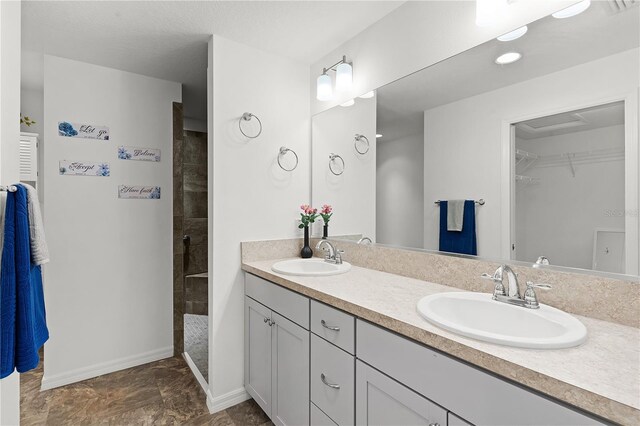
<point x="195" y="201"/>
<point x="178" y="231"/>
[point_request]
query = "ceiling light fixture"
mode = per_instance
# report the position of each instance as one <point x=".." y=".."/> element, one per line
<point x="349" y="103"/>
<point x="344" y="80"/>
<point x="573" y="10"/>
<point x="513" y="35"/>
<point x="368" y="95"/>
<point x="508" y="58"/>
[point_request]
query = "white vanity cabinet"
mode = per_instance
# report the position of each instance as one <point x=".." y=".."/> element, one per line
<point x="277" y="351"/>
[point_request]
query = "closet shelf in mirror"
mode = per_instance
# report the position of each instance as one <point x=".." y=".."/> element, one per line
<point x="583" y="157"/>
<point x="524" y="160"/>
<point x="527" y="179"/>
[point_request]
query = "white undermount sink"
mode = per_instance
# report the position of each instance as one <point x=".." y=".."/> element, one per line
<point x="310" y="267"/>
<point x="477" y="316"/>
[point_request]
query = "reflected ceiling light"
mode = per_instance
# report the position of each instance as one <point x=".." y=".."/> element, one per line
<point x="344" y="80"/>
<point x="378" y="135"/>
<point x="349" y="103"/>
<point x="368" y="95"/>
<point x="513" y="35"/>
<point x="486" y="12"/>
<point x="324" y="91"/>
<point x="508" y="58"/>
<point x="573" y="10"/>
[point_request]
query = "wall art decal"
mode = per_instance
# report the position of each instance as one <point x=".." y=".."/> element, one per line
<point x="86" y="131"/>
<point x="84" y="168"/>
<point x="138" y="154"/>
<point x="139" y="192"/>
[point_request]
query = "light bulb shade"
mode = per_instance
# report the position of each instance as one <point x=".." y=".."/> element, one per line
<point x="486" y="12"/>
<point x="514" y="35"/>
<point x="344" y="77"/>
<point x="324" y="91"/>
<point x="573" y="10"/>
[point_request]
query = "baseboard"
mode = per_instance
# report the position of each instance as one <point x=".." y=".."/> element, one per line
<point x="227" y="400"/>
<point x="194" y="369"/>
<point x="73" y="376"/>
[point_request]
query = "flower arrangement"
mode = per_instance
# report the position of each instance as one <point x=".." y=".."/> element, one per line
<point x="307" y="216"/>
<point x="326" y="212"/>
<point x="26" y="120"/>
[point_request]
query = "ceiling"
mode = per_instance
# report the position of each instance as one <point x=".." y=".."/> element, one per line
<point x="549" y="46"/>
<point x="571" y="122"/>
<point x="168" y="39"/>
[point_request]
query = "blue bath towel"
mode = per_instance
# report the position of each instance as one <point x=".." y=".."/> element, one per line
<point x="23" y="328"/>
<point x="463" y="242"/>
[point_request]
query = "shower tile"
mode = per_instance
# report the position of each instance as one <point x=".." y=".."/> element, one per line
<point x="195" y="177"/>
<point x="195" y="204"/>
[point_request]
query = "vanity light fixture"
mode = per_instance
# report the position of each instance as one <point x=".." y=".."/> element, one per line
<point x="573" y="10"/>
<point x="378" y="135"/>
<point x="368" y="95"/>
<point x="344" y="80"/>
<point x="349" y="103"/>
<point x="508" y="58"/>
<point x="513" y="35"/>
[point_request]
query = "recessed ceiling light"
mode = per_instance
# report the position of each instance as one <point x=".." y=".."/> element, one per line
<point x="348" y="103"/>
<point x="508" y="58"/>
<point x="368" y="95"/>
<point x="515" y="34"/>
<point x="573" y="10"/>
<point x="378" y="135"/>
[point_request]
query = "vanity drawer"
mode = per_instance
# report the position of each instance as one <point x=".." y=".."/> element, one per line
<point x="285" y="302"/>
<point x="318" y="418"/>
<point x="334" y="326"/>
<point x="335" y="395"/>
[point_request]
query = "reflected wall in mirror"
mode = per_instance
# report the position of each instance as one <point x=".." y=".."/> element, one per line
<point x="550" y="142"/>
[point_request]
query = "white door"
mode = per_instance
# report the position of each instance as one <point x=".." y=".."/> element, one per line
<point x="257" y="374"/>
<point x="609" y="255"/>
<point x="290" y="369"/>
<point x="382" y="401"/>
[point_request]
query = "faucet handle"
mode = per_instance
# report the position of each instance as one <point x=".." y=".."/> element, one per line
<point x="499" y="289"/>
<point x="530" y="297"/>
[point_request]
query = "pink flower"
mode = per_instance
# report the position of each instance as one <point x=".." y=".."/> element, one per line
<point x="326" y="209"/>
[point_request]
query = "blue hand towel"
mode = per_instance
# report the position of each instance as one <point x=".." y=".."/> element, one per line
<point x="23" y="329"/>
<point x="463" y="242"/>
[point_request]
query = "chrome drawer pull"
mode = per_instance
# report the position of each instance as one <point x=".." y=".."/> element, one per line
<point x="331" y="385"/>
<point x="329" y="327"/>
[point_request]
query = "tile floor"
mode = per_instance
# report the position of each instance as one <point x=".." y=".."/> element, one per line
<point x="196" y="341"/>
<point x="160" y="393"/>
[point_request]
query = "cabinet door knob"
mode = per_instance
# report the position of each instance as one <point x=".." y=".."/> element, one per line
<point x="266" y="320"/>
<point x="331" y="385"/>
<point x="329" y="327"/>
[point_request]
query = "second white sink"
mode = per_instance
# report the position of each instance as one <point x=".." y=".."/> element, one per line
<point x="310" y="267"/>
<point x="478" y="316"/>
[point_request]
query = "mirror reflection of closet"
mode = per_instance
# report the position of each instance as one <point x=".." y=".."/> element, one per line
<point x="570" y="188"/>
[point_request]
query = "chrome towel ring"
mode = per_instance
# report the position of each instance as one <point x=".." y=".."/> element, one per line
<point x="247" y="116"/>
<point x="332" y="160"/>
<point x="364" y="140"/>
<point x="282" y="153"/>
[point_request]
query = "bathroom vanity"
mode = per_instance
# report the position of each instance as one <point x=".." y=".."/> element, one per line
<point x="339" y="351"/>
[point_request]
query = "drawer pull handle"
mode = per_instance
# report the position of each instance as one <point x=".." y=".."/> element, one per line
<point x="329" y="327"/>
<point x="331" y="385"/>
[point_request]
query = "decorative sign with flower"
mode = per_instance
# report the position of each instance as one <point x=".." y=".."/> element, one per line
<point x="84" y="168"/>
<point x="138" y="154"/>
<point x="139" y="192"/>
<point x="86" y="131"/>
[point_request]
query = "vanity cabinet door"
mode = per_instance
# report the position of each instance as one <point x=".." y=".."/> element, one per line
<point x="257" y="357"/>
<point x="290" y="369"/>
<point x="381" y="401"/>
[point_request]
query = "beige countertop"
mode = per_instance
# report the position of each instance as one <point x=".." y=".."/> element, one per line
<point x="601" y="376"/>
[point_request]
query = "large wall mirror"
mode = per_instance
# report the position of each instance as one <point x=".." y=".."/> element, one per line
<point x="515" y="161"/>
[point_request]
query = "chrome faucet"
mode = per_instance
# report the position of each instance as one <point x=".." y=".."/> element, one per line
<point x="512" y="295"/>
<point x="333" y="255"/>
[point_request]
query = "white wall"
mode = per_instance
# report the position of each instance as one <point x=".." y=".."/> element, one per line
<point x="9" y="158"/>
<point x="400" y="190"/>
<point x="251" y="198"/>
<point x="353" y="193"/>
<point x="463" y="147"/>
<point x="557" y="217"/>
<point x="416" y="35"/>
<point x="32" y="105"/>
<point x="109" y="283"/>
